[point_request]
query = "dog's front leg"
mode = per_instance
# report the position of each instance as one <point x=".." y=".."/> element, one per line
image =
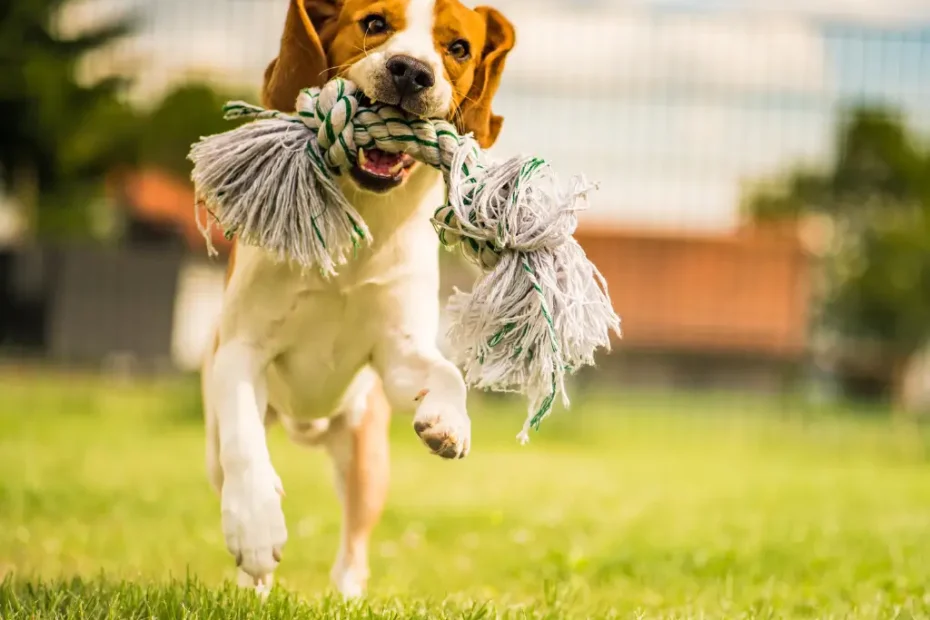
<point x="253" y="523"/>
<point x="416" y="375"/>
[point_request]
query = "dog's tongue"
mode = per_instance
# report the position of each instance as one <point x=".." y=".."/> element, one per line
<point x="377" y="162"/>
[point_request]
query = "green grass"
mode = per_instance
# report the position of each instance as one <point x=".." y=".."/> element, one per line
<point x="627" y="506"/>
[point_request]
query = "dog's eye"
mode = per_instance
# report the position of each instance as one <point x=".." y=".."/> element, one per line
<point x="460" y="49"/>
<point x="374" y="24"/>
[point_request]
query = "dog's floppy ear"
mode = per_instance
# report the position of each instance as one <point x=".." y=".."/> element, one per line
<point x="476" y="115"/>
<point x="301" y="62"/>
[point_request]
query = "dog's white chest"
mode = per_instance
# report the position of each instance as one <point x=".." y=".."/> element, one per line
<point x="315" y="335"/>
<point x="324" y="344"/>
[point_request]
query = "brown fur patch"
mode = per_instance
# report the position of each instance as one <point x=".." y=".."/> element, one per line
<point x="454" y="22"/>
<point x="475" y="113"/>
<point x="345" y="41"/>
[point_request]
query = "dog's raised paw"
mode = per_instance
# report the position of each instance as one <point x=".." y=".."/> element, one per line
<point x="447" y="436"/>
<point x="253" y="522"/>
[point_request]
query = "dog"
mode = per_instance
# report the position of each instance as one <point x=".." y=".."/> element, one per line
<point x="330" y="359"/>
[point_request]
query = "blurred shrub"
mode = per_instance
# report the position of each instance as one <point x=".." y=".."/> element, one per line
<point x="875" y="247"/>
<point x="60" y="135"/>
<point x="184" y="115"/>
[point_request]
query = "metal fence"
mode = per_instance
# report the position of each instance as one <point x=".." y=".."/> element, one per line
<point x="671" y="109"/>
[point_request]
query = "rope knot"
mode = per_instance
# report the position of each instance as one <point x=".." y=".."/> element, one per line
<point x="342" y="127"/>
<point x="329" y="112"/>
<point x="518" y="206"/>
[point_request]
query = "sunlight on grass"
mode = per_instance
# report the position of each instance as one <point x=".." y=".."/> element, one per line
<point x="661" y="506"/>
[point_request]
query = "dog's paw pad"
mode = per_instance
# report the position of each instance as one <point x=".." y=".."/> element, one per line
<point x="447" y="438"/>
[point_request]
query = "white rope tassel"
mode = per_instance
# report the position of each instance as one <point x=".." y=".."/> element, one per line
<point x="259" y="183"/>
<point x="542" y="308"/>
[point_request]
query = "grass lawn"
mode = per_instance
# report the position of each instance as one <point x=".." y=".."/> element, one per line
<point x="627" y="506"/>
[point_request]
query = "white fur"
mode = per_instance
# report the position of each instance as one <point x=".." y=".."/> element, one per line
<point x="416" y="40"/>
<point x="306" y="347"/>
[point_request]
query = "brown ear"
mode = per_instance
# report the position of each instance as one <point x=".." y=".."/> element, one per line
<point x="476" y="115"/>
<point x="301" y="62"/>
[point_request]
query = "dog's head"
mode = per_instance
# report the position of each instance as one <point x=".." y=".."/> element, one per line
<point x="433" y="58"/>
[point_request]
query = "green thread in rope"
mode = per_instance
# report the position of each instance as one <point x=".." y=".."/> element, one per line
<point x="496" y="338"/>
<point x="546" y="406"/>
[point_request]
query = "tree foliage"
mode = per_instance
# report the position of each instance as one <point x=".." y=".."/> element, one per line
<point x="184" y="115"/>
<point x="60" y="134"/>
<point x="876" y="196"/>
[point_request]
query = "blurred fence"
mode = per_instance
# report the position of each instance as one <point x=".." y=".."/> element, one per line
<point x="674" y="111"/>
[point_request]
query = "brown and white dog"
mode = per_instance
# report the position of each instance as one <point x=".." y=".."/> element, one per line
<point x="330" y="359"/>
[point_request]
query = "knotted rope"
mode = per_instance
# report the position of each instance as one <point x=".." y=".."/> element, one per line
<point x="540" y="310"/>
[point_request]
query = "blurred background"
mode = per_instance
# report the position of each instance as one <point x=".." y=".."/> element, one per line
<point x="765" y="180"/>
<point x="763" y="223"/>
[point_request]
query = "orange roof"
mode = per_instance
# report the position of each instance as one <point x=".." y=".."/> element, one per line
<point x="745" y="292"/>
<point x="161" y="198"/>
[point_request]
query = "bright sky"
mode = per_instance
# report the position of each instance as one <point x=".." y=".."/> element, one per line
<point x="671" y="104"/>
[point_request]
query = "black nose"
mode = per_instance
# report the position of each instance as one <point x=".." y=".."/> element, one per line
<point x="410" y="75"/>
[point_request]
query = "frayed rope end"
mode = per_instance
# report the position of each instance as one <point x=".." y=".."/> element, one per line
<point x="205" y="220"/>
<point x="275" y="162"/>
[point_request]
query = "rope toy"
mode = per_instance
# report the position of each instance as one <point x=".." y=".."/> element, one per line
<point x="540" y="310"/>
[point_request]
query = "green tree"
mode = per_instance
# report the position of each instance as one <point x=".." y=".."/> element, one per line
<point x="184" y="115"/>
<point x="876" y="266"/>
<point x="60" y="135"/>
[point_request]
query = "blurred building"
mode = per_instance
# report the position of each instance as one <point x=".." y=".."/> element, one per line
<point x="698" y="309"/>
<point x="719" y="310"/>
<point x="147" y="303"/>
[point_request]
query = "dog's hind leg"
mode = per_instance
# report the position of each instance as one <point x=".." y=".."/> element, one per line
<point x="358" y="445"/>
<point x="214" y="469"/>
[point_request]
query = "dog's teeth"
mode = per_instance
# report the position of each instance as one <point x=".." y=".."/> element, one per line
<point x="361" y="158"/>
<point x="395" y="170"/>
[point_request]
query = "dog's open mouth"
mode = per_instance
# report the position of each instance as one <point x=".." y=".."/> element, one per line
<point x="379" y="171"/>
